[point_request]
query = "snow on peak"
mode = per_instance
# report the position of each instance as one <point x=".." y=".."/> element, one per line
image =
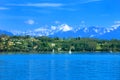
<point x="115" y="26"/>
<point x="96" y="30"/>
<point x="85" y="29"/>
<point x="53" y="27"/>
<point x="65" y="27"/>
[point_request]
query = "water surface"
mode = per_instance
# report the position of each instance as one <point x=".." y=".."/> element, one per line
<point x="60" y="67"/>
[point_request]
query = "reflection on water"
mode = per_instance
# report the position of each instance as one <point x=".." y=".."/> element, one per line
<point x="63" y="68"/>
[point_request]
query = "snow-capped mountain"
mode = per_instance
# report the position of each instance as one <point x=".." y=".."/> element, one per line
<point x="66" y="31"/>
<point x="46" y="31"/>
<point x="111" y="33"/>
<point x="6" y="32"/>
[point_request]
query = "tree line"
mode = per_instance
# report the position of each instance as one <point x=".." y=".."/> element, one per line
<point x="47" y="44"/>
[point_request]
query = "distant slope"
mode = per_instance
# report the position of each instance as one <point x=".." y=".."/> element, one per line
<point x="5" y="32"/>
<point x="112" y="34"/>
<point x="66" y="31"/>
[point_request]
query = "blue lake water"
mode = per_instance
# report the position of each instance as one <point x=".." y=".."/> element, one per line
<point x="60" y="67"/>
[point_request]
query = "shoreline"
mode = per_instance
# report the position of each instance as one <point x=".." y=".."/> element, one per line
<point x="64" y="52"/>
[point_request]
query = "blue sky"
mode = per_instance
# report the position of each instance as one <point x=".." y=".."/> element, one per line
<point x="31" y="14"/>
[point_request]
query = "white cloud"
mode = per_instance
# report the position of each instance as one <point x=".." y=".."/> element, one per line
<point x="39" y="4"/>
<point x="3" y="8"/>
<point x="65" y="27"/>
<point x="30" y="22"/>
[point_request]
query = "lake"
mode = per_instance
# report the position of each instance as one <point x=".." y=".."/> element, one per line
<point x="60" y="67"/>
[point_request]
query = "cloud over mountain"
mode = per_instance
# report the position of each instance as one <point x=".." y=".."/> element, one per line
<point x="30" y="22"/>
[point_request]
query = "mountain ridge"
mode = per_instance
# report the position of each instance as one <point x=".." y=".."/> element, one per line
<point x="6" y="32"/>
<point x="66" y="31"/>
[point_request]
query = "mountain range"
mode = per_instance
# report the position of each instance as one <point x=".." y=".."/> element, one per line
<point x="6" y="32"/>
<point x="66" y="31"/>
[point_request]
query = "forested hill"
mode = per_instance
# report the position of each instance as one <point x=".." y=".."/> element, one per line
<point x="47" y="44"/>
